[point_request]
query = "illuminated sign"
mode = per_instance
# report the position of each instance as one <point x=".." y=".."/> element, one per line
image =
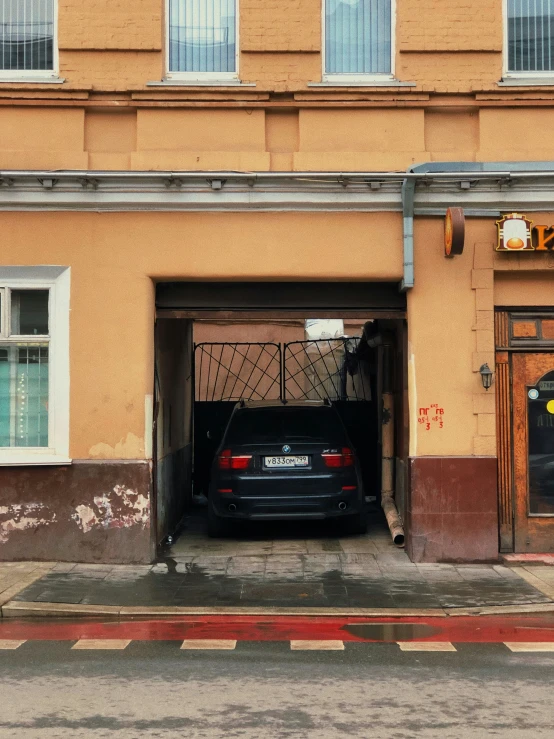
<point x="514" y="233"/>
<point x="454" y="232"/>
<point x="517" y="233"/>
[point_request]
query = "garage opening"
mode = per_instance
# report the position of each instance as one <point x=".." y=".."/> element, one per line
<point x="222" y="344"/>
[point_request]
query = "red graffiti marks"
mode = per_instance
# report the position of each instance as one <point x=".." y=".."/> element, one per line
<point x="431" y="417"/>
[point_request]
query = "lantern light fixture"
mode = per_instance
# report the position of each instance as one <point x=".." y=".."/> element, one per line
<point x="486" y="375"/>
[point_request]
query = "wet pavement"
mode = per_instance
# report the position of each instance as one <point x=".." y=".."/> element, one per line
<point x="257" y="568"/>
<point x="268" y="689"/>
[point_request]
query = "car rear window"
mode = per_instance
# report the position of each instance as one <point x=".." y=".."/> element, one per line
<point x="260" y="425"/>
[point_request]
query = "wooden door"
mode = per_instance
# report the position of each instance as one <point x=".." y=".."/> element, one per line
<point x="533" y="423"/>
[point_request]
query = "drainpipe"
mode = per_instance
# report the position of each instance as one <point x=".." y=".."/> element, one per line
<point x="408" y="198"/>
<point x="385" y="342"/>
<point x="472" y="172"/>
<point x="387" y="446"/>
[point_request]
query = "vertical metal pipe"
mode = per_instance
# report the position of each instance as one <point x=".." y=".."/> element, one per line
<point x="408" y="198"/>
<point x="387" y="445"/>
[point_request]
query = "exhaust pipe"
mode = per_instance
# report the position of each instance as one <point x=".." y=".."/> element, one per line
<point x="342" y="506"/>
<point x="232" y="507"/>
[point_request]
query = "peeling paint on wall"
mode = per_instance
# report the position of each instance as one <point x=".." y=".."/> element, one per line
<point x="85" y="517"/>
<point x="121" y="508"/>
<point x="22" y="517"/>
<point x="131" y="447"/>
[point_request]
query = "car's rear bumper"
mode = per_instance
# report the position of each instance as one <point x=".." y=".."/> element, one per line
<point x="290" y="507"/>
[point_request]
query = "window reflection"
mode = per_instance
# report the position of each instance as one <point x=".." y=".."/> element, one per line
<point x="540" y="400"/>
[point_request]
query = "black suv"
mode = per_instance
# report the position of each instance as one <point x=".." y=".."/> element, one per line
<point x="285" y="461"/>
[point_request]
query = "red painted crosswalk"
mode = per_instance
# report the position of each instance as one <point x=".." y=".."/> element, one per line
<point x="487" y="629"/>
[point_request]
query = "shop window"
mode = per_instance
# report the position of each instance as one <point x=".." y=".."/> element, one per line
<point x="34" y="365"/>
<point x="358" y="39"/>
<point x="27" y="37"/>
<point x="202" y="39"/>
<point x="530" y="37"/>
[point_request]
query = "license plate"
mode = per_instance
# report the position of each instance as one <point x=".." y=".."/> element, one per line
<point x="286" y="462"/>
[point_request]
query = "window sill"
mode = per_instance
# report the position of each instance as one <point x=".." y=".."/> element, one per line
<point x="12" y="458"/>
<point x="200" y="83"/>
<point x="32" y="80"/>
<point x="364" y="83"/>
<point x="526" y="82"/>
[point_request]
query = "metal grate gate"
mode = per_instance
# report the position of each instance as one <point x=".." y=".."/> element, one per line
<point x="246" y="371"/>
<point x="333" y="369"/>
<point x="326" y="369"/>
<point x="300" y="370"/>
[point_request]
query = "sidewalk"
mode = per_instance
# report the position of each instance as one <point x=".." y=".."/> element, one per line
<point x="306" y="583"/>
<point x="16" y="576"/>
<point x="266" y="570"/>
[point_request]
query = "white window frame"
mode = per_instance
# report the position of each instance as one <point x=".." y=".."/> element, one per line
<point x="202" y="77"/>
<point x="546" y="77"/>
<point x="37" y="75"/>
<point x="2" y="310"/>
<point x="360" y="78"/>
<point x="57" y="281"/>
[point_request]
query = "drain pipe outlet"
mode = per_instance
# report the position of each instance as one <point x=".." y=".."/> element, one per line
<point x="387" y="446"/>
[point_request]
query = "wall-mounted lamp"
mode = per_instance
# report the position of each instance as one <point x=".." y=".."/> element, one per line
<point x="486" y="375"/>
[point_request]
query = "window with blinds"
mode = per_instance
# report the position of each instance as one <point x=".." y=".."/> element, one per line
<point x="27" y="35"/>
<point x="203" y="37"/>
<point x="530" y="35"/>
<point x="358" y="37"/>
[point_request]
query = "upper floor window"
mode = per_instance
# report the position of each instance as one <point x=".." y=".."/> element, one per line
<point x="530" y="30"/>
<point x="27" y="30"/>
<point x="202" y="39"/>
<point x="358" y="38"/>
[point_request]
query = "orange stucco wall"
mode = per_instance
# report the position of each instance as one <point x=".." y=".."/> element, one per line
<point x="115" y="258"/>
<point x="48" y="136"/>
<point x="105" y="115"/>
<point x="460" y="295"/>
<point x="531" y="289"/>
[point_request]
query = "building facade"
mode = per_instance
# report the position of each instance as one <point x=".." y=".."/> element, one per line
<point x="154" y="153"/>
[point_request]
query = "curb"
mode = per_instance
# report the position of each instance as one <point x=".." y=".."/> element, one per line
<point x="21" y="609"/>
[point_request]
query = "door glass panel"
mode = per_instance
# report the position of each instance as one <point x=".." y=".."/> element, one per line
<point x="540" y="404"/>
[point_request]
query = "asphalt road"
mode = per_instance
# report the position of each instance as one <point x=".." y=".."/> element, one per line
<point x="264" y="689"/>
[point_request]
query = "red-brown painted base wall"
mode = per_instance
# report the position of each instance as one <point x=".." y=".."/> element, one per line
<point x="85" y="512"/>
<point x="453" y="510"/>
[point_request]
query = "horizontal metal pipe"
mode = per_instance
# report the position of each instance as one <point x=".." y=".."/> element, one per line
<point x="259" y="176"/>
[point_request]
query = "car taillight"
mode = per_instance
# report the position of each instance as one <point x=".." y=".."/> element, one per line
<point x="344" y="459"/>
<point x="226" y="461"/>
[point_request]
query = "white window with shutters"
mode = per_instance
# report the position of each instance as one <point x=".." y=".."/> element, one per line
<point x="529" y="39"/>
<point x="28" y="39"/>
<point x="358" y="40"/>
<point x="202" y="40"/>
<point x="34" y="365"/>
